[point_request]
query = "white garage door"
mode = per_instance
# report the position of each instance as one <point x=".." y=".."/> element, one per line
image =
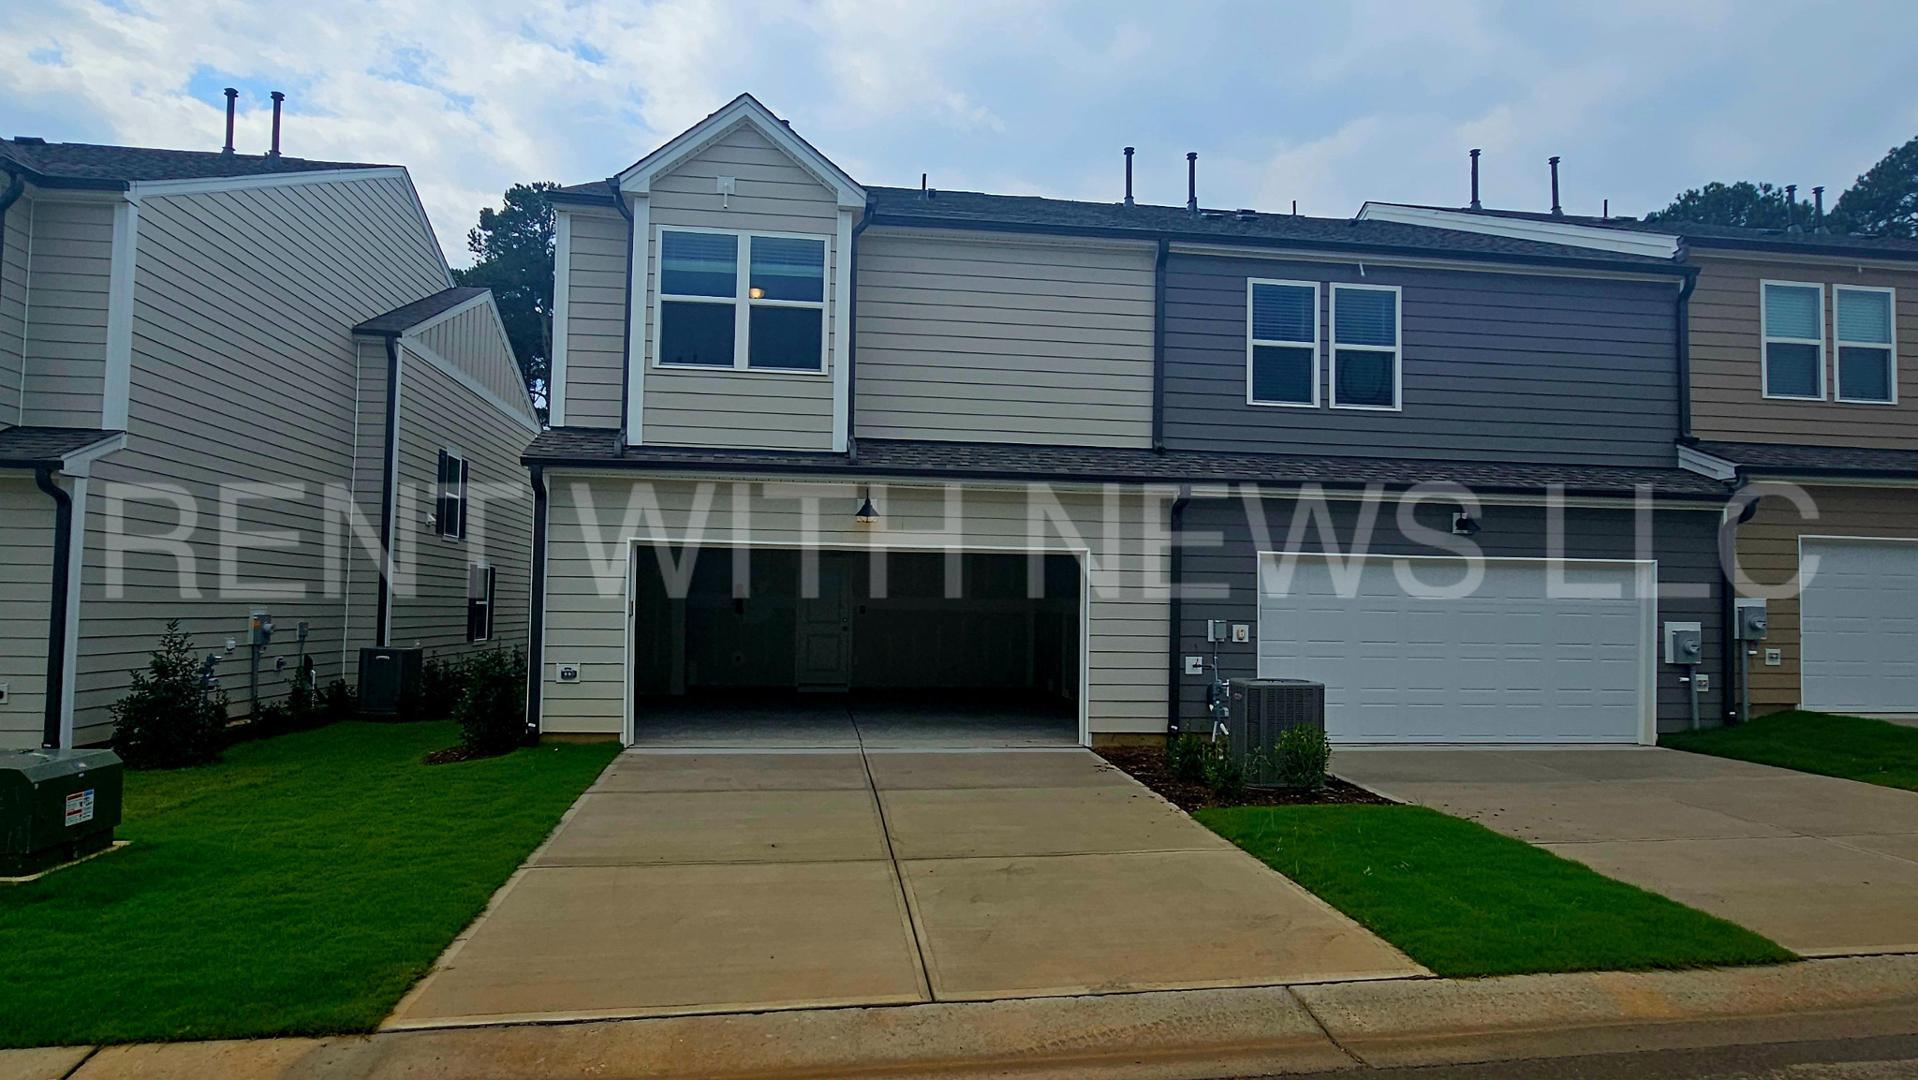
<point x="1506" y="663"/>
<point x="1858" y="624"/>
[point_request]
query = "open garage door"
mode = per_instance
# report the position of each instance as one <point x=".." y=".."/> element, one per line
<point x="1508" y="663"/>
<point x="975" y="641"/>
<point x="1858" y="625"/>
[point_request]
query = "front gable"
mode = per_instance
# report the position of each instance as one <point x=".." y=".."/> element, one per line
<point x="745" y="112"/>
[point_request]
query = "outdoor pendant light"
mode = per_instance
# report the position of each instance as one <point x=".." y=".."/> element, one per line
<point x="865" y="515"/>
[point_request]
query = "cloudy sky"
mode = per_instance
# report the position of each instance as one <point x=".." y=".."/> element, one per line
<point x="1328" y="104"/>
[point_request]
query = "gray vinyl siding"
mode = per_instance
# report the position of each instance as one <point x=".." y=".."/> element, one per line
<point x="595" y="318"/>
<point x="439" y="412"/>
<point x="1683" y="542"/>
<point x="360" y="571"/>
<point x="475" y="343"/>
<point x="759" y="409"/>
<point x="26" y="571"/>
<point x="1002" y="339"/>
<point x="66" y="319"/>
<point x="13" y="306"/>
<point x="590" y="517"/>
<point x="245" y="369"/>
<point x="1496" y="366"/>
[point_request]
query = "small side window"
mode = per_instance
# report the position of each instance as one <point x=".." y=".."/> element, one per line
<point x="1282" y="343"/>
<point x="1365" y="347"/>
<point x="479" y="602"/>
<point x="1792" y="326"/>
<point x="1867" y="344"/>
<point x="449" y="506"/>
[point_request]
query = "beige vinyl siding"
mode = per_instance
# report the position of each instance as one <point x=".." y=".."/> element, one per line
<point x="998" y="339"/>
<point x="596" y="318"/>
<point x="13" y="306"/>
<point x="1728" y="399"/>
<point x="586" y="615"/>
<point x="26" y="576"/>
<point x="1768" y="555"/>
<point x="66" y="331"/>
<point x="366" y="486"/>
<point x="759" y="409"/>
<point x="475" y="342"/>
<point x="244" y="369"/>
<point x="439" y="412"/>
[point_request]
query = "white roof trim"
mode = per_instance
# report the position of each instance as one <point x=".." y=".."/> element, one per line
<point x="637" y="178"/>
<point x="1692" y="459"/>
<point x="1598" y="238"/>
<point x="410" y="337"/>
<point x="79" y="462"/>
<point x="453" y="372"/>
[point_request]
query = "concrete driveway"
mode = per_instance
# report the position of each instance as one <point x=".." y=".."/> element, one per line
<point x="700" y="881"/>
<point x="1819" y="865"/>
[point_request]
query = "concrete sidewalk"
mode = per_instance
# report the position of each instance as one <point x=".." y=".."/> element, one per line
<point x="1145" y="1036"/>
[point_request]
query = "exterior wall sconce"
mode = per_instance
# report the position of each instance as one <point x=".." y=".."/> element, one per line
<point x="1464" y="524"/>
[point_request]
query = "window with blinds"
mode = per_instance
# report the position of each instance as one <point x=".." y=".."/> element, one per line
<point x="1365" y="347"/>
<point x="1865" y="325"/>
<point x="1792" y="326"/>
<point x="1282" y="343"/>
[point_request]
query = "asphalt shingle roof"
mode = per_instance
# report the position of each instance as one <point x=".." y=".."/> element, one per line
<point x="406" y="316"/>
<point x="1702" y="234"/>
<point x="93" y="165"/>
<point x="24" y="447"/>
<point x="916" y="458"/>
<point x="1784" y="458"/>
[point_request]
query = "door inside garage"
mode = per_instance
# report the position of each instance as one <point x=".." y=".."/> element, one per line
<point x="1858" y="623"/>
<point x="1513" y="660"/>
<point x="778" y="646"/>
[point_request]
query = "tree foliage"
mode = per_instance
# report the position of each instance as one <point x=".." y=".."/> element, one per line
<point x="1884" y="201"/>
<point x="1745" y="204"/>
<point x="513" y="256"/>
<point x="169" y="719"/>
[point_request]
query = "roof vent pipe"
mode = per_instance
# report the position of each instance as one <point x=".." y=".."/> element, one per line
<point x="1128" y="176"/>
<point x="1791" y="208"/>
<point x="1476" y="205"/>
<point x="232" y="96"/>
<point x="1818" y="208"/>
<point x="278" y="99"/>
<point x="1557" y="210"/>
<point x="1192" y="181"/>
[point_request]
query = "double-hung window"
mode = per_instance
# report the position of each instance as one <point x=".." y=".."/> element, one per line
<point x="741" y="300"/>
<point x="480" y="580"/>
<point x="1365" y="347"/>
<point x="1867" y="344"/>
<point x="1282" y="343"/>
<point x="1792" y="325"/>
<point x="449" y="503"/>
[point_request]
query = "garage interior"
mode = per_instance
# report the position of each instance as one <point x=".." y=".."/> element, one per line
<point x="778" y="647"/>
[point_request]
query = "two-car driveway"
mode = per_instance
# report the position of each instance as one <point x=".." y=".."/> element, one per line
<point x="1821" y="866"/>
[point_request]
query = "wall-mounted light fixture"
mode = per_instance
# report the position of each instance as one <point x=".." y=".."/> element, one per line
<point x="866" y="514"/>
<point x="1464" y="524"/>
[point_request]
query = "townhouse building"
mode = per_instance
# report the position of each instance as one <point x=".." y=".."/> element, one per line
<point x="231" y="384"/>
<point x="1801" y="349"/>
<point x="1433" y="468"/>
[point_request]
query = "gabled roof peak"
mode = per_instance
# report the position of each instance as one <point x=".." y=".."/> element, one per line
<point x="744" y="109"/>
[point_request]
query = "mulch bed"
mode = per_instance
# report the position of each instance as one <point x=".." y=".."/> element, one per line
<point x="1146" y="764"/>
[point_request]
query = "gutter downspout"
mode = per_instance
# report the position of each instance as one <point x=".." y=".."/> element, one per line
<point x="1683" y="309"/>
<point x="57" y="608"/>
<point x="852" y="346"/>
<point x="626" y="317"/>
<point x="1175" y="668"/>
<point x="536" y="617"/>
<point x="1158" y="345"/>
<point x="1731" y="677"/>
<point x="389" y="485"/>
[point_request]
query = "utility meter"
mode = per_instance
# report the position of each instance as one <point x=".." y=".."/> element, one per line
<point x="259" y="629"/>
<point x="1684" y="644"/>
<point x="1750" y="624"/>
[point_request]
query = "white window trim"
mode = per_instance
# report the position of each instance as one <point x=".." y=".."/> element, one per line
<point x="492" y="585"/>
<point x="1397" y="349"/>
<point x="1251" y="398"/>
<point x="1838" y="344"/>
<point x="1765" y="338"/>
<point x="741" y="302"/>
<point x="459" y="492"/>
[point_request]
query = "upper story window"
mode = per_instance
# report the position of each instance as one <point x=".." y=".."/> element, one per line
<point x="741" y="300"/>
<point x="1867" y="344"/>
<point x="1282" y="343"/>
<point x="1792" y="325"/>
<point x="449" y="504"/>
<point x="1365" y="347"/>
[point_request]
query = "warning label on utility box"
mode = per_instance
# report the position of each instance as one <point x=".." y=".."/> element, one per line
<point x="80" y="807"/>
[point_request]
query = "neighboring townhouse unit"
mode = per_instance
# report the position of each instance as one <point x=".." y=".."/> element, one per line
<point x="1802" y="355"/>
<point x="756" y="356"/>
<point x="228" y="383"/>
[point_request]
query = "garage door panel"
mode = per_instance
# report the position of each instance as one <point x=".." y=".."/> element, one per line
<point x="1858" y="625"/>
<point x="1505" y="664"/>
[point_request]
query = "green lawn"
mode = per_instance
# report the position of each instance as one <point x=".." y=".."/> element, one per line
<point x="1466" y="901"/>
<point x="298" y="887"/>
<point x="1850" y="747"/>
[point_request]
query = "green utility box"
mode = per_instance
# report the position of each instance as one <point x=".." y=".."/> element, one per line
<point x="56" y="806"/>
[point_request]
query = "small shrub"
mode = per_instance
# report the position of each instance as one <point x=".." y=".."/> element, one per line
<point x="338" y="701"/>
<point x="1185" y="758"/>
<point x="1225" y="772"/>
<point x="168" y="720"/>
<point x="438" y="691"/>
<point x="1301" y="757"/>
<point x="491" y="710"/>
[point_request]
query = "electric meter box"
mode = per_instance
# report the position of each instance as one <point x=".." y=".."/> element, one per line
<point x="1684" y="643"/>
<point x="1751" y="623"/>
<point x="56" y="806"/>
